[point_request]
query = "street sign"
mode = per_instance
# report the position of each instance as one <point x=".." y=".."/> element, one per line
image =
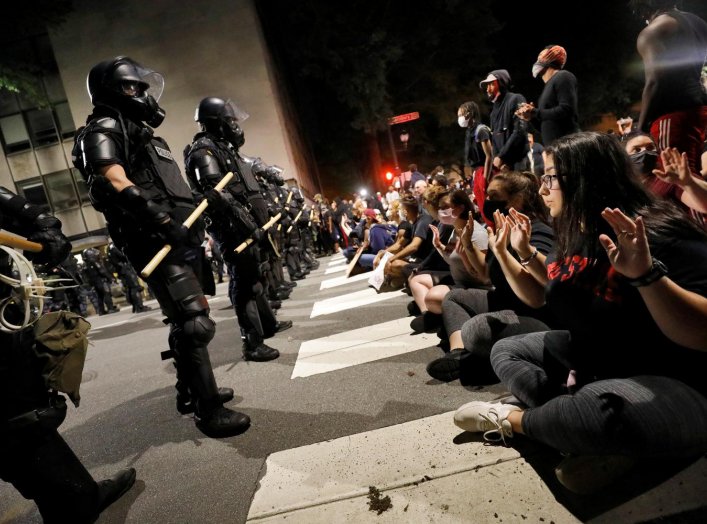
<point x="407" y="117"/>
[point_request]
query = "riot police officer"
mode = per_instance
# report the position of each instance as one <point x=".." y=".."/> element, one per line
<point x="235" y="214"/>
<point x="129" y="278"/>
<point x="134" y="180"/>
<point x="96" y="275"/>
<point x="33" y="456"/>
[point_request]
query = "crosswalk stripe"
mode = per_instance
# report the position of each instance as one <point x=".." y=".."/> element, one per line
<point x="340" y="281"/>
<point x="357" y="299"/>
<point x="358" y="346"/>
<point x="337" y="262"/>
<point x="335" y="269"/>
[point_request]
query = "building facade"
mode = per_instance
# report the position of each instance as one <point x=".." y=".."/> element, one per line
<point x="213" y="48"/>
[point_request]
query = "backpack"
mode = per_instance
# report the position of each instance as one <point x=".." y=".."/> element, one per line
<point x="60" y="347"/>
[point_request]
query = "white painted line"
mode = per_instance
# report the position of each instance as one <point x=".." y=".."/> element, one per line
<point x="335" y="269"/>
<point x="387" y="458"/>
<point x="351" y="300"/>
<point x="340" y="281"/>
<point x="337" y="262"/>
<point x="359" y="346"/>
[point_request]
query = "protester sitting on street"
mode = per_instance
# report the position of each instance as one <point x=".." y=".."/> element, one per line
<point x="430" y="287"/>
<point x="510" y="190"/>
<point x="413" y="252"/>
<point x="627" y="265"/>
<point x="681" y="186"/>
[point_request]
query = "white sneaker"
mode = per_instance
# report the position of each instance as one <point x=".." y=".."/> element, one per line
<point x="487" y="417"/>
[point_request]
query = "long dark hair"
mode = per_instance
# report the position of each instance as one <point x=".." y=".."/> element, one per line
<point x="595" y="172"/>
<point x="527" y="185"/>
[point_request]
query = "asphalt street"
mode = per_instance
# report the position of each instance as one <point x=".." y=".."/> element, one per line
<point x="369" y="375"/>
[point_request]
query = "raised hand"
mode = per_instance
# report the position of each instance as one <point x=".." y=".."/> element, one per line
<point x="629" y="254"/>
<point x="675" y="167"/>
<point x="467" y="233"/>
<point x="498" y="240"/>
<point x="520" y="233"/>
<point x="436" y="242"/>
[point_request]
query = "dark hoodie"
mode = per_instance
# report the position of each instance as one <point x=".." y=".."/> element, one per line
<point x="509" y="133"/>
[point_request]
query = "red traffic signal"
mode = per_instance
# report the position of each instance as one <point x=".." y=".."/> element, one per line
<point x="389" y="175"/>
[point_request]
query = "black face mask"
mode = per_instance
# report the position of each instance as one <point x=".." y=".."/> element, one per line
<point x="491" y="206"/>
<point x="645" y="161"/>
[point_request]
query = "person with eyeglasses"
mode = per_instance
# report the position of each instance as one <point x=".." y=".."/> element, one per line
<point x="475" y="318"/>
<point x="628" y="279"/>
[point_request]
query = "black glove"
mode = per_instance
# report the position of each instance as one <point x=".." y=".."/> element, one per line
<point x="216" y="201"/>
<point x="55" y="247"/>
<point x="173" y="232"/>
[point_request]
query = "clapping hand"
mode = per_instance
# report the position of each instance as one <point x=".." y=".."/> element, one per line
<point x="630" y="254"/>
<point x="467" y="232"/>
<point x="675" y="167"/>
<point x="525" y="111"/>
<point x="498" y="240"/>
<point x="520" y="233"/>
<point x="436" y="242"/>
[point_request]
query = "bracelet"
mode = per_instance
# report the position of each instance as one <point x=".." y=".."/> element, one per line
<point x="526" y="261"/>
<point x="656" y="272"/>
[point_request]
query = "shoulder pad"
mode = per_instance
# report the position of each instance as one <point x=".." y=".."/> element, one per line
<point x="98" y="148"/>
<point x="105" y="124"/>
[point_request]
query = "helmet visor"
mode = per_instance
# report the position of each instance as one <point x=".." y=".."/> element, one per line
<point x="232" y="110"/>
<point x="154" y="84"/>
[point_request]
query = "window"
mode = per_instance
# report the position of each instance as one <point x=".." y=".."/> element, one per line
<point x="62" y="194"/>
<point x="14" y="132"/>
<point x="33" y="191"/>
<point x="81" y="186"/>
<point x="22" y="124"/>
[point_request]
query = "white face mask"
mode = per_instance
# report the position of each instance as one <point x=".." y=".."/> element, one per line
<point x="401" y="214"/>
<point x="463" y="121"/>
<point x="446" y="216"/>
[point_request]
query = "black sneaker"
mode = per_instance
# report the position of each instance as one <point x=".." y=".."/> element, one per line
<point x="275" y="304"/>
<point x="222" y="422"/>
<point x="426" y="323"/>
<point x="261" y="353"/>
<point x="447" y="368"/>
<point x="185" y="405"/>
<point x="413" y="309"/>
<point x="112" y="489"/>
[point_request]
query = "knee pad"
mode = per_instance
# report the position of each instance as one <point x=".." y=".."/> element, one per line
<point x="257" y="289"/>
<point x="185" y="291"/>
<point x="199" y="329"/>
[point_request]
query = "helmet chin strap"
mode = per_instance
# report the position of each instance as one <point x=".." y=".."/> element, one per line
<point x="27" y="294"/>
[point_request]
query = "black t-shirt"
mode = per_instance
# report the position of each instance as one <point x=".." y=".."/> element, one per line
<point x="557" y="107"/>
<point x="613" y="333"/>
<point x="475" y="155"/>
<point x="421" y="229"/>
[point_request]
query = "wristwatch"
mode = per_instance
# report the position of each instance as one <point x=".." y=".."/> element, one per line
<point x="656" y="272"/>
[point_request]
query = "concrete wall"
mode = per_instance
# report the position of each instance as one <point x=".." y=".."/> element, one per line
<point x="202" y="48"/>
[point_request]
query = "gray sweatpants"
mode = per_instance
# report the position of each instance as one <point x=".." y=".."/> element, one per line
<point x="642" y="416"/>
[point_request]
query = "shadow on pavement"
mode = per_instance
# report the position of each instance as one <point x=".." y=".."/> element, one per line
<point x="127" y="328"/>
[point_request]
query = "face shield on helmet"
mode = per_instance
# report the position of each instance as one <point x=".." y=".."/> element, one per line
<point x="129" y="87"/>
<point x="222" y="117"/>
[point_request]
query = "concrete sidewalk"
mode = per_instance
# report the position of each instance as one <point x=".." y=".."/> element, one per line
<point x="433" y="472"/>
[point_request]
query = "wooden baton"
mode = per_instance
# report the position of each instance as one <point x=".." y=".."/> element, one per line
<point x="159" y="257"/>
<point x="270" y="223"/>
<point x="18" y="242"/>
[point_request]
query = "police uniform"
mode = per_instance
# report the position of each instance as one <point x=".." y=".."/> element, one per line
<point x="33" y="456"/>
<point x="142" y="217"/>
<point x="235" y="215"/>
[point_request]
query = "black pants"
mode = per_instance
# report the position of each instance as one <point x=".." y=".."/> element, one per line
<point x="43" y="468"/>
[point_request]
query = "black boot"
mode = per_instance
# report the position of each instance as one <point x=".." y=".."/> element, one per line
<point x="211" y="417"/>
<point x="185" y="404"/>
<point x="112" y="489"/>
<point x="255" y="349"/>
<point x="216" y="421"/>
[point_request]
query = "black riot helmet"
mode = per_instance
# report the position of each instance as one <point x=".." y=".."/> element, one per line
<point x="220" y="118"/>
<point x="91" y="254"/>
<point x="125" y="85"/>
